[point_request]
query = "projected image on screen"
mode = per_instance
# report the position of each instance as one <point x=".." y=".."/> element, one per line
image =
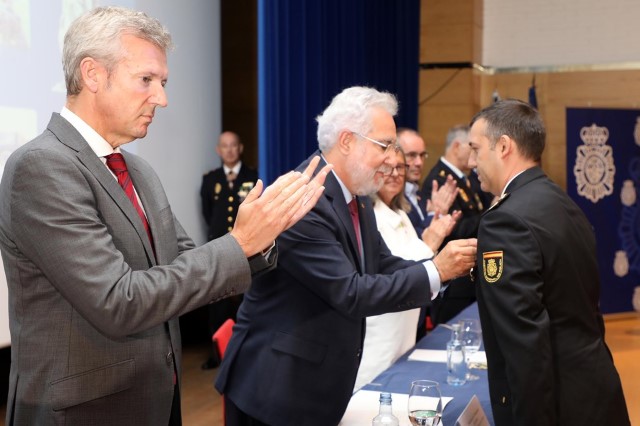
<point x="14" y="23"/>
<point x="31" y="79"/>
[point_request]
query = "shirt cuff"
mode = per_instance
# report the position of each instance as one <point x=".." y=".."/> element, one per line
<point x="434" y="278"/>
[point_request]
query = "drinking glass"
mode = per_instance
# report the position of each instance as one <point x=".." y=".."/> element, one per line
<point x="425" y="403"/>
<point x="471" y="336"/>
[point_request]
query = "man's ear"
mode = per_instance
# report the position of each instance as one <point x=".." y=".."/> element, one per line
<point x="90" y="71"/>
<point x="346" y="140"/>
<point x="505" y="146"/>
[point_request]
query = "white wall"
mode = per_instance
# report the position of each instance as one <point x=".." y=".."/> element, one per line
<point x="530" y="33"/>
<point x="180" y="143"/>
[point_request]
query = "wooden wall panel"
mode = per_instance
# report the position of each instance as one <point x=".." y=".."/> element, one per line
<point x="451" y="85"/>
<point x="434" y="123"/>
<point x="557" y="91"/>
<point x="447" y="11"/>
<point x="447" y="43"/>
<point x="449" y="31"/>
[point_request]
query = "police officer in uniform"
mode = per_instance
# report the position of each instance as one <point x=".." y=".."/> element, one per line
<point x="222" y="191"/>
<point x="538" y="285"/>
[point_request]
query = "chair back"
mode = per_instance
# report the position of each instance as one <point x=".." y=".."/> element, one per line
<point x="222" y="336"/>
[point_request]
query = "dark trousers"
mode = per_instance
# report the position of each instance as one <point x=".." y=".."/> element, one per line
<point x="176" y="414"/>
<point x="236" y="417"/>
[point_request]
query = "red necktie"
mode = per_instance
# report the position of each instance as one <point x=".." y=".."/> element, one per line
<point x="118" y="166"/>
<point x="355" y="218"/>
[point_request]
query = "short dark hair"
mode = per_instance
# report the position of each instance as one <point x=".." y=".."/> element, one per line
<point x="518" y="120"/>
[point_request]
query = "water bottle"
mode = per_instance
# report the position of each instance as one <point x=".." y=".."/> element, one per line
<point x="385" y="416"/>
<point x="456" y="366"/>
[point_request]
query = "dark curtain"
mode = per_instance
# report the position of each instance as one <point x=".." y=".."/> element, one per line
<point x="309" y="51"/>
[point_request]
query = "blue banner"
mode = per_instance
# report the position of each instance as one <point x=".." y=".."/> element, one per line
<point x="603" y="177"/>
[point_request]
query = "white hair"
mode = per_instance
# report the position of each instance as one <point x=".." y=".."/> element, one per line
<point x="351" y="110"/>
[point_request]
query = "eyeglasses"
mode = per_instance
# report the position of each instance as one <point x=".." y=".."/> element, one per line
<point x="412" y="156"/>
<point x="387" y="147"/>
<point x="401" y="169"/>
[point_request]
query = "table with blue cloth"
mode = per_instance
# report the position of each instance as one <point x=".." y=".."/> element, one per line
<point x="398" y="377"/>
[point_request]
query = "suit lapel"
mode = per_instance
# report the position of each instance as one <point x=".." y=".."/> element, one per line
<point x="69" y="136"/>
<point x="369" y="232"/>
<point x="144" y="192"/>
<point x="333" y="193"/>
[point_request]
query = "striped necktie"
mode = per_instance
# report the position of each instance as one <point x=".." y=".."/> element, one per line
<point x="118" y="166"/>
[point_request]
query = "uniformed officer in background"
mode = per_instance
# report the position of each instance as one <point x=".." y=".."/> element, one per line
<point x="222" y="191"/>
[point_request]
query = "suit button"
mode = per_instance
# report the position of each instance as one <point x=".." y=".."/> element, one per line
<point x="229" y="219"/>
<point x="230" y="209"/>
<point x="359" y="353"/>
<point x="169" y="358"/>
<point x="231" y="199"/>
<point x="230" y="229"/>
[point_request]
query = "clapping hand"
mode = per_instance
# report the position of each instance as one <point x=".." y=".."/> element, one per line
<point x="442" y="198"/>
<point x="264" y="215"/>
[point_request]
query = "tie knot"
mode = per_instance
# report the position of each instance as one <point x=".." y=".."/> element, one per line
<point x="116" y="162"/>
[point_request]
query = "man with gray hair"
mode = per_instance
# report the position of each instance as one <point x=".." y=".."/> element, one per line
<point x="98" y="267"/>
<point x="454" y="163"/>
<point x="297" y="344"/>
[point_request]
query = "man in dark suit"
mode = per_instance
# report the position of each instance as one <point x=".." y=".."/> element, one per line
<point x="454" y="163"/>
<point x="221" y="192"/>
<point x="97" y="265"/>
<point x="443" y="192"/>
<point x="296" y="347"/>
<point x="538" y="285"/>
<point x="415" y="154"/>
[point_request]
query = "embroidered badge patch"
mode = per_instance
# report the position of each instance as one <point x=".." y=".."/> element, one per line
<point x="492" y="264"/>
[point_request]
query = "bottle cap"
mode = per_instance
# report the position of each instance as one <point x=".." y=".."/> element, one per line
<point x="385" y="397"/>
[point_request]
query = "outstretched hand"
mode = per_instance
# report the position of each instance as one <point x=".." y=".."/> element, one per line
<point x="264" y="215"/>
<point x="456" y="258"/>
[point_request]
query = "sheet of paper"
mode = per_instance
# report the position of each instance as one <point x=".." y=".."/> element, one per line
<point x="364" y="406"/>
<point x="478" y="360"/>
<point x="431" y="355"/>
<point x="473" y="414"/>
<point x="428" y="355"/>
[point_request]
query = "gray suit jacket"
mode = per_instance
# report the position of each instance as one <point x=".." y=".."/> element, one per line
<point x="93" y="314"/>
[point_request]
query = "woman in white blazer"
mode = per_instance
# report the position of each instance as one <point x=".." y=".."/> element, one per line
<point x="390" y="335"/>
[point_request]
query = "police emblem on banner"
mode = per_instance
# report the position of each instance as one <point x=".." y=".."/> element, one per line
<point x="594" y="168"/>
<point x="628" y="230"/>
<point x="492" y="265"/>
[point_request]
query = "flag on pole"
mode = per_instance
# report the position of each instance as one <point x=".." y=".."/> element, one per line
<point x="533" y="101"/>
<point x="495" y="96"/>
